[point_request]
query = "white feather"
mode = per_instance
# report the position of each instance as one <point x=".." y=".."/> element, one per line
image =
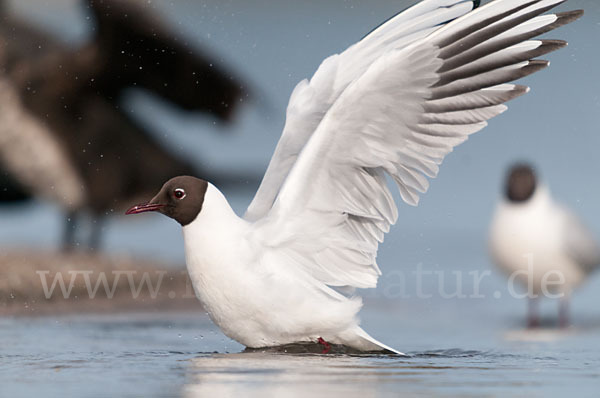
<point x="311" y="100"/>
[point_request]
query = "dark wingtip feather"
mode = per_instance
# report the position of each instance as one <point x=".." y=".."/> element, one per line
<point x="476" y="3"/>
<point x="549" y="46"/>
<point x="539" y="62"/>
<point x="534" y="66"/>
<point x="569" y="16"/>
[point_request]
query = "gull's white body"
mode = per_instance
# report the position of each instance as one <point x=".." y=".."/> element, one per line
<point x="251" y="294"/>
<point x="396" y="103"/>
<point x="542" y="243"/>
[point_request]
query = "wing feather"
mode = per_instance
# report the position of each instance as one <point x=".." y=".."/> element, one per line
<point x="400" y="117"/>
<point x="478" y="99"/>
<point x="311" y="100"/>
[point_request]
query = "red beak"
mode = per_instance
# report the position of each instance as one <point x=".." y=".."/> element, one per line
<point x="144" y="208"/>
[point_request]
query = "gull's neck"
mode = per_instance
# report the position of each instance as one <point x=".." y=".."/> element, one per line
<point x="215" y="232"/>
<point x="215" y="220"/>
<point x="215" y="255"/>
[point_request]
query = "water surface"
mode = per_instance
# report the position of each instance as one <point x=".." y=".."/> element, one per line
<point x="183" y="354"/>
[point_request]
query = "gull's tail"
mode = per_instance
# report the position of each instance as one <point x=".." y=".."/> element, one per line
<point x="362" y="341"/>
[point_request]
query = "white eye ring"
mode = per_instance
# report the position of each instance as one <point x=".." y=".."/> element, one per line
<point x="179" y="191"/>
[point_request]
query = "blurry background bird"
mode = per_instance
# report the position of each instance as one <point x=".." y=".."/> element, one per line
<point x="66" y="134"/>
<point x="539" y="243"/>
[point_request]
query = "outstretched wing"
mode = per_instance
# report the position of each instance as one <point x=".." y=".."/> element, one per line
<point x="401" y="118"/>
<point x="311" y="100"/>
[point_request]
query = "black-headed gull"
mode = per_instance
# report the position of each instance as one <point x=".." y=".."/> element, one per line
<point x="394" y="103"/>
<point x="539" y="243"/>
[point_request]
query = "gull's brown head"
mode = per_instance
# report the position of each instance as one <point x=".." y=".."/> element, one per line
<point x="180" y="198"/>
<point x="520" y="183"/>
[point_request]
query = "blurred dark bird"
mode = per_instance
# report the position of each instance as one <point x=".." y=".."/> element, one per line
<point x="539" y="243"/>
<point x="64" y="135"/>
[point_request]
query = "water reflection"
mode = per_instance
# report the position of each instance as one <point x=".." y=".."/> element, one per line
<point x="284" y="375"/>
<point x="260" y="374"/>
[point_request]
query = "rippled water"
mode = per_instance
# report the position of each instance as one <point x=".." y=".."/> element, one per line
<point x="183" y="354"/>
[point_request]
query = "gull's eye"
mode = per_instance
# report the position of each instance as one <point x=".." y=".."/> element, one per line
<point x="179" y="193"/>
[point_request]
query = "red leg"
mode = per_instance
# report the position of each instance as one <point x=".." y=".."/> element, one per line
<point x="326" y="345"/>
